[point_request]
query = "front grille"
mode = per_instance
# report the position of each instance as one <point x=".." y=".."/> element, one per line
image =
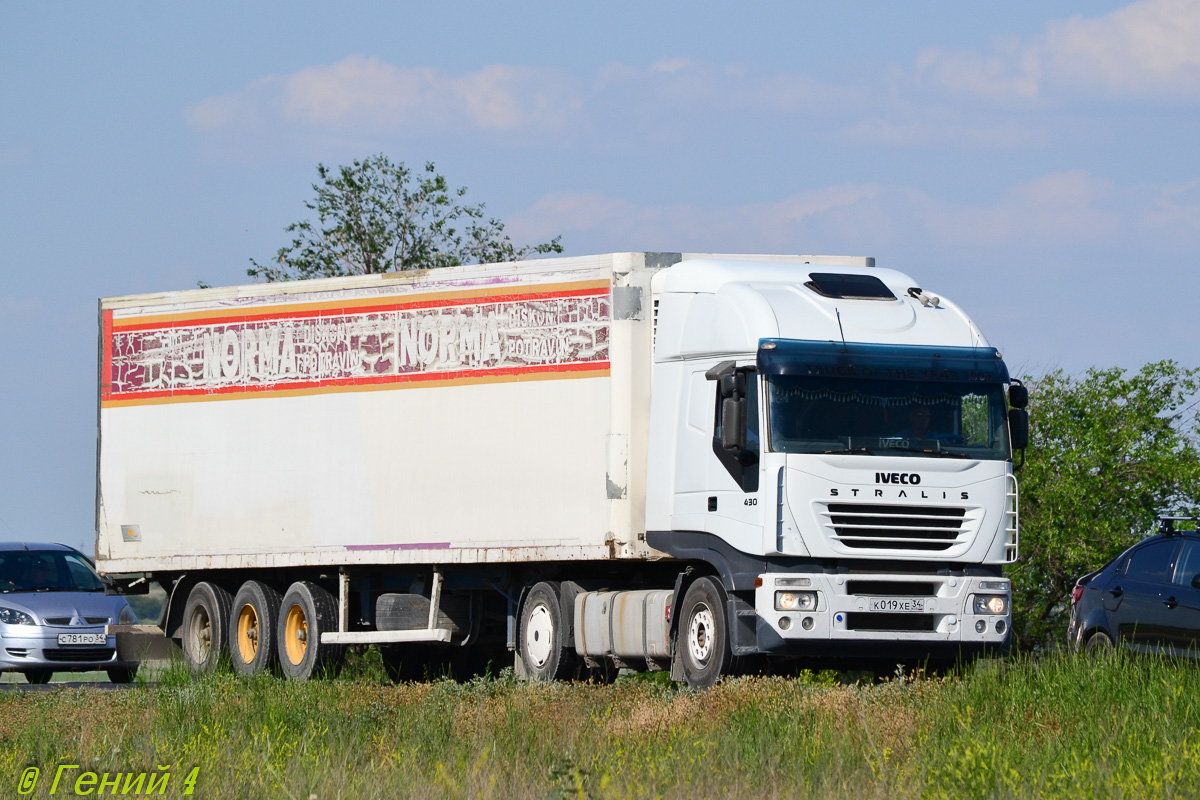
<point x="67" y="620"/>
<point x="859" y="621"/>
<point x="881" y="527"/>
<point x="81" y="654"/>
<point x="892" y="588"/>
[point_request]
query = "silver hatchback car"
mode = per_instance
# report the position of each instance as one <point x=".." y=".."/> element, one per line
<point x="53" y="613"/>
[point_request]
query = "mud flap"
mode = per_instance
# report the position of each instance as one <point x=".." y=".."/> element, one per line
<point x="743" y="626"/>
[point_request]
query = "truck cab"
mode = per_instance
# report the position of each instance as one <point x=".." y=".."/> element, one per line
<point x="834" y="442"/>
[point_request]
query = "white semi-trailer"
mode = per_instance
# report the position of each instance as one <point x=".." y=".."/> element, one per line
<point x="653" y="460"/>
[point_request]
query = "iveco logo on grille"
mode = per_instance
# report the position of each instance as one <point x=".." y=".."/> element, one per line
<point x="908" y="478"/>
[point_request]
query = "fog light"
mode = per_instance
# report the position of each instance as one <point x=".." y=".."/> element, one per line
<point x="980" y="626"/>
<point x="806" y="623"/>
<point x="785" y="623"/>
<point x="1001" y="627"/>
<point x="795" y="601"/>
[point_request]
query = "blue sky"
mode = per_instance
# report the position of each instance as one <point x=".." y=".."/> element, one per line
<point x="1035" y="161"/>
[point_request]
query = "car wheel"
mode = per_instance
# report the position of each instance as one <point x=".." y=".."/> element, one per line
<point x="252" y="628"/>
<point x="205" y="626"/>
<point x="39" y="676"/>
<point x="122" y="674"/>
<point x="1098" y="642"/>
<point x="702" y="643"/>
<point x="543" y="638"/>
<point x="307" y="611"/>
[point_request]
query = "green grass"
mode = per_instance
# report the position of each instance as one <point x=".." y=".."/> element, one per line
<point x="1057" y="727"/>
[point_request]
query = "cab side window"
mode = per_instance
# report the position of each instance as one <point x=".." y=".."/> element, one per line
<point x="1153" y="563"/>
<point x="743" y="465"/>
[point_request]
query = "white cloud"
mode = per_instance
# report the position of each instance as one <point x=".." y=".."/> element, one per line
<point x="1146" y="50"/>
<point x="763" y="226"/>
<point x="360" y="92"/>
<point x="1067" y="213"/>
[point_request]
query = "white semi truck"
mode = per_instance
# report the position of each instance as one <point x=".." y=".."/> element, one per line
<point x="648" y="460"/>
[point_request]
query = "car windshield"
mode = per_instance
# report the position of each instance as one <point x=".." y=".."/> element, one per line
<point x="47" y="571"/>
<point x="821" y="414"/>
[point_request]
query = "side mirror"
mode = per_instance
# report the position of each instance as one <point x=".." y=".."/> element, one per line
<point x="733" y="424"/>
<point x="1018" y="395"/>
<point x="1196" y="582"/>
<point x="1018" y="428"/>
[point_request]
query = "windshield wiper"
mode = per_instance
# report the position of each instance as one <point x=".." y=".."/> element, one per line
<point x="939" y="453"/>
<point x="846" y="450"/>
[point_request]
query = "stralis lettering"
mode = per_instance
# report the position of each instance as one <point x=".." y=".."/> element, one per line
<point x="907" y="478"/>
<point x="923" y="494"/>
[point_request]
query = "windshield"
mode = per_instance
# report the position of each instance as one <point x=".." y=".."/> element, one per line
<point x="811" y="414"/>
<point x="47" y="571"/>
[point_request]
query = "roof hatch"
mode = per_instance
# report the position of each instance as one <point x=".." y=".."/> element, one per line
<point x="849" y="287"/>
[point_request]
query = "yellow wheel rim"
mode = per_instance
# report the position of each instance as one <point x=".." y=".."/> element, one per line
<point x="295" y="635"/>
<point x="247" y="633"/>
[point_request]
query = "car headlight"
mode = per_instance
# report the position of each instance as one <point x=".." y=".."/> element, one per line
<point x="990" y="604"/>
<point x="127" y="617"/>
<point x="10" y="616"/>
<point x="795" y="601"/>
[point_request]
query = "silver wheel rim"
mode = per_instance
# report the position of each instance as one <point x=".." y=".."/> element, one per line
<point x="700" y="634"/>
<point x="539" y="632"/>
<point x="200" y="636"/>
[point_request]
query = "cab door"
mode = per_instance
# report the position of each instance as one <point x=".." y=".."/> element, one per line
<point x="735" y="507"/>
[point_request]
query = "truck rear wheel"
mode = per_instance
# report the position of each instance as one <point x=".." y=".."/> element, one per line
<point x="205" y="626"/>
<point x="543" y="637"/>
<point x="252" y="628"/>
<point x="703" y="640"/>
<point x="307" y="611"/>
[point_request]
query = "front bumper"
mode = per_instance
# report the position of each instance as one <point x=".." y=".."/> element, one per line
<point x="36" y="647"/>
<point x="856" y="615"/>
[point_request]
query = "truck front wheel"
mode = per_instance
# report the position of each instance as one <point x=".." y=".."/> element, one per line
<point x="307" y="611"/>
<point x="205" y="626"/>
<point x="703" y="639"/>
<point x="543" y="639"/>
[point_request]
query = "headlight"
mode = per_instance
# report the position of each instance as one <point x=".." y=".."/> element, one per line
<point x="795" y="601"/>
<point x="127" y="617"/>
<point x="990" y="604"/>
<point x="10" y="616"/>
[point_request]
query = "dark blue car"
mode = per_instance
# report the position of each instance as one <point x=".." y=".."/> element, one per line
<point x="1147" y="599"/>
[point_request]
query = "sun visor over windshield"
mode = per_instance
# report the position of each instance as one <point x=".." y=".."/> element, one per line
<point x="881" y="361"/>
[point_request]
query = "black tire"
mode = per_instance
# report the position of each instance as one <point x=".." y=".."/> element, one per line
<point x="122" y="674"/>
<point x="702" y="642"/>
<point x="205" y="630"/>
<point x="1098" y="642"/>
<point x="543" y="644"/>
<point x="39" y="676"/>
<point x="252" y="620"/>
<point x="307" y="611"/>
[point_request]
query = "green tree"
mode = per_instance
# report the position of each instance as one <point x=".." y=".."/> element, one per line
<point x="1109" y="451"/>
<point x="375" y="216"/>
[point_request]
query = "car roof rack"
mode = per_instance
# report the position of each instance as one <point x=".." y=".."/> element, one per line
<point x="1166" y="524"/>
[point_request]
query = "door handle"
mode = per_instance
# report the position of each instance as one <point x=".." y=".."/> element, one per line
<point x="1170" y="602"/>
